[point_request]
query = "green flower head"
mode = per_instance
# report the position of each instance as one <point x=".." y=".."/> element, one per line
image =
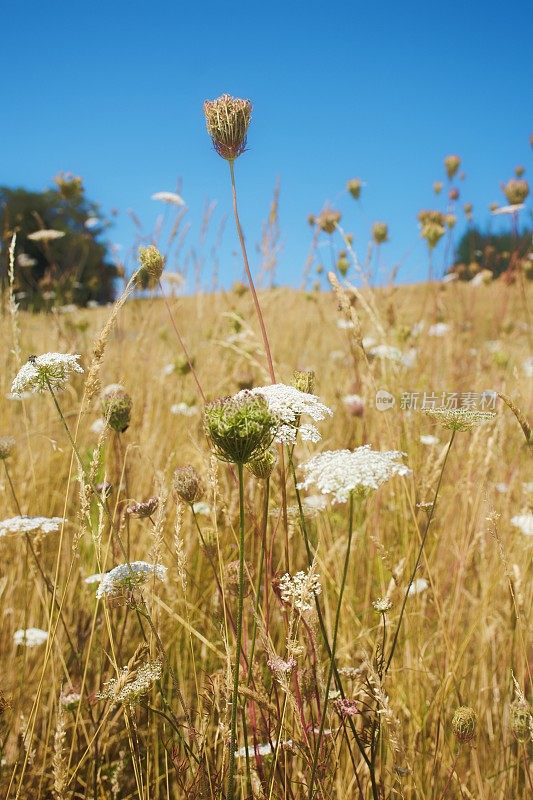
<point x="239" y="428"/>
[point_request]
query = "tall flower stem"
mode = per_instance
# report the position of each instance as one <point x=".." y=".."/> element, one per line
<point x="333" y="650"/>
<point x="420" y="551"/>
<point x="235" y="699"/>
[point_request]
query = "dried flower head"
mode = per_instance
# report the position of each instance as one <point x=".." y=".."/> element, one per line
<point x="464" y="723"/>
<point x="40" y="373"/>
<point x="262" y="466"/>
<point x="354" y="186"/>
<point x="327" y="220"/>
<point x="459" y="419"/>
<point x="345" y="707"/>
<point x="152" y="265"/>
<point x="30" y="637"/>
<point x="380" y="232"/>
<point x="288" y="405"/>
<point x="7" y="445"/>
<point x="143" y="509"/>
<point x="300" y="590"/>
<point x="125" y="578"/>
<point x="452" y="164"/>
<point x="354" y="404"/>
<point x="519" y="170"/>
<point x="239" y="428"/>
<point x="426" y="215"/>
<point x="453" y="194"/>
<point x="437" y="187"/>
<point x="521" y="720"/>
<point x="304" y="381"/>
<point x="450" y="220"/>
<point x="340" y="472"/>
<point x="132" y="683"/>
<point x="516" y="191"/>
<point x="188" y="485"/>
<point x="432" y="232"/>
<point x="227" y="119"/>
<point x="116" y="407"/>
<point x="22" y="525"/>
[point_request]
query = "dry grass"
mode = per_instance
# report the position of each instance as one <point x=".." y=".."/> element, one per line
<point x="461" y="640"/>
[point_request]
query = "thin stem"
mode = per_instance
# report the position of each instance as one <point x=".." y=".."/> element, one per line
<point x="420" y="551"/>
<point x="235" y="698"/>
<point x="249" y="276"/>
<point x="333" y="650"/>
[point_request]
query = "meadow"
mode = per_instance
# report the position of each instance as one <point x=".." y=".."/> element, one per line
<point x="130" y="694"/>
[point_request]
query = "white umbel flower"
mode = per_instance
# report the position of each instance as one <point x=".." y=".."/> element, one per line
<point x="169" y="197"/>
<point x="46" y="235"/>
<point x="40" y="372"/>
<point x="127" y="577"/>
<point x="132" y="684"/>
<point x="418" y="586"/>
<point x="429" y="440"/>
<point x="16" y="525"/>
<point x="340" y="472"/>
<point x="523" y="522"/>
<point x="300" y="589"/>
<point x="30" y="637"/>
<point x="288" y="404"/>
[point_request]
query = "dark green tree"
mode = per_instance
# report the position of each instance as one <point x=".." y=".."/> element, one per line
<point x="498" y="252"/>
<point x="72" y="268"/>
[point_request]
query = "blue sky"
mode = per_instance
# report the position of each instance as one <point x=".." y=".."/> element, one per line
<point x="113" y="92"/>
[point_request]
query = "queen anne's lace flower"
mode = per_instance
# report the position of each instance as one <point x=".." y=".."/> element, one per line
<point x="288" y="404"/>
<point x="132" y="683"/>
<point x="418" y="585"/>
<point x="340" y="472"/>
<point x="15" y="525"/>
<point x="31" y="637"/>
<point x="42" y="372"/>
<point x="460" y="419"/>
<point x="300" y="589"/>
<point x="523" y="522"/>
<point x="127" y="577"/>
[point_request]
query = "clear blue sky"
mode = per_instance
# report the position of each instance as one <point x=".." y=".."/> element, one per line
<point x="113" y="91"/>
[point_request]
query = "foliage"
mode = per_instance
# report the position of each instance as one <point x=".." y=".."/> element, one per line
<point x="498" y="252"/>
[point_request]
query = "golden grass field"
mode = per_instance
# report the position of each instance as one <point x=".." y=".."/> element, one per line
<point x="462" y="638"/>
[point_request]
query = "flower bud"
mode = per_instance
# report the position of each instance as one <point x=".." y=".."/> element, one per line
<point x="188" y="485"/>
<point x="516" y="191"/>
<point x="452" y="164"/>
<point x="521" y="721"/>
<point x="262" y="466"/>
<point x="354" y="187"/>
<point x="143" y="509"/>
<point x="152" y="265"/>
<point x="116" y="407"/>
<point x="380" y="232"/>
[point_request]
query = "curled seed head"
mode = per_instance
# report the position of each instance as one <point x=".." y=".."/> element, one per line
<point x="152" y="265"/>
<point x="464" y="723"/>
<point x="7" y="445"/>
<point x="227" y="120"/>
<point x="188" y="485"/>
<point x="239" y="428"/>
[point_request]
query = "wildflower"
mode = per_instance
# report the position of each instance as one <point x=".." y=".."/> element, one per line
<point x="464" y="723"/>
<point x="116" y="407"/>
<point x="437" y="187"/>
<point x="7" y="445"/>
<point x="516" y="191"/>
<point x="279" y="665"/>
<point x="262" y="466"/>
<point x="144" y="509"/>
<point x="450" y="221"/>
<point x="504" y="210"/>
<point x="151" y="269"/>
<point x="380" y="232"/>
<point x="354" y="404"/>
<point x="30" y="637"/>
<point x="227" y="120"/>
<point x="340" y="472"/>
<point x="70" y="700"/>
<point x="24" y="524"/>
<point x="240" y="428"/>
<point x="127" y="577"/>
<point x="521" y="721"/>
<point x="98" y="426"/>
<point x="48" y="371"/>
<point x="345" y="707"/>
<point x="459" y="419"/>
<point x="452" y="164"/>
<point x="132" y="683"/>
<point x="327" y="220"/>
<point x="263" y="749"/>
<point x="188" y="484"/>
<point x="288" y="404"/>
<point x="96" y="578"/>
<point x="300" y="589"/>
<point x="183" y="409"/>
<point x="45" y="235"/>
<point x="382" y="605"/>
<point x="169" y="197"/>
<point x="429" y="440"/>
<point x="418" y="586"/>
<point x="354" y="187"/>
<point x="201" y="508"/>
<point x="432" y="232"/>
<point x="523" y="522"/>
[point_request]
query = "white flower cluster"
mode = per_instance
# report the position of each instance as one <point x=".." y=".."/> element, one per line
<point x="127" y="577"/>
<point x="15" y="525"/>
<point x="288" y="404"/>
<point x="183" y="409"/>
<point x="131" y="685"/>
<point x="30" y="637"/>
<point x="459" y="419"/>
<point x="523" y="522"/>
<point x="418" y="586"/>
<point x="300" y="590"/>
<point x="41" y="372"/>
<point x="391" y="353"/>
<point x="340" y="472"/>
